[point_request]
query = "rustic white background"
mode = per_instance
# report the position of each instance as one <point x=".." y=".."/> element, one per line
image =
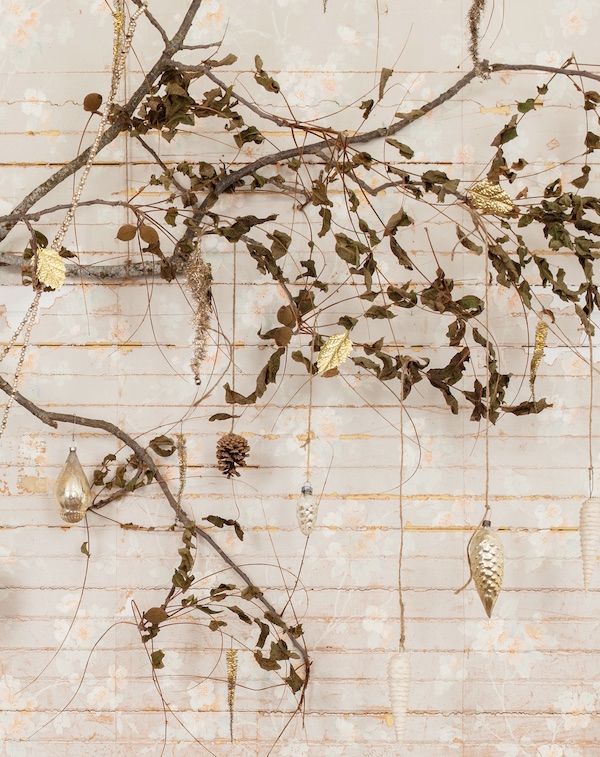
<point x="526" y="682"/>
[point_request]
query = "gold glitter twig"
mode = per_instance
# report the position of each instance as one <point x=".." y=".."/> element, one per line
<point x="541" y="332"/>
<point x="232" y="664"/>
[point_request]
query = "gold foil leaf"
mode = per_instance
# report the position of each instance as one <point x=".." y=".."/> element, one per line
<point x="51" y="270"/>
<point x="490" y="198"/>
<point x="333" y="353"/>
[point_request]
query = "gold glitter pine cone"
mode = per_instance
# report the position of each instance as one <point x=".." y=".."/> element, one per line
<point x="486" y="558"/>
<point x="232" y="451"/>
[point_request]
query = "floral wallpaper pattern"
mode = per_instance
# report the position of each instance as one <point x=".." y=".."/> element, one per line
<point x="526" y="682"/>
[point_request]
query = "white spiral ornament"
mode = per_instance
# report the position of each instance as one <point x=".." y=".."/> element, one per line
<point x="399" y="686"/>
<point x="589" y="533"/>
<point x="486" y="558"/>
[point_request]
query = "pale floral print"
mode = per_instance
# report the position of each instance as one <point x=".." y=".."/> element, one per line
<point x="323" y="68"/>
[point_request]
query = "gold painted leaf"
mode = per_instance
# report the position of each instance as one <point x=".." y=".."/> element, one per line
<point x="490" y="198"/>
<point x="333" y="353"/>
<point x="51" y="269"/>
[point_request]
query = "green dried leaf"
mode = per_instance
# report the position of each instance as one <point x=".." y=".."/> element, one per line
<point x="156" y="615"/>
<point x="404" y="150"/>
<point x="527" y="408"/>
<point x="262" y="77"/>
<point x="294" y="681"/>
<point x="349" y="250"/>
<point x="383" y="80"/>
<point x="157" y="658"/>
<point x="251" y="134"/>
<point x="222" y="416"/>
<point x="163" y="446"/>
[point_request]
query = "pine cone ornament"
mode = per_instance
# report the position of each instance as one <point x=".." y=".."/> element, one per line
<point x="232" y="451"/>
<point x="486" y="558"/>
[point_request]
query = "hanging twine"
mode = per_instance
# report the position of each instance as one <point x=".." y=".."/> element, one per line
<point x="590" y="420"/>
<point x="121" y="46"/>
<point x="402" y="639"/>
<point x="486" y="495"/>
<point x="310" y="409"/>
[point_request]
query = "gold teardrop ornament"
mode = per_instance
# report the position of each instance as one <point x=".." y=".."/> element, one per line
<point x="73" y="490"/>
<point x="334" y="352"/>
<point x="51" y="270"/>
<point x="490" y="198"/>
<point x="486" y="558"/>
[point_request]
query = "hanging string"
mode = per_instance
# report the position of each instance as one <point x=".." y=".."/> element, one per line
<point x="402" y="639"/>
<point x="487" y="389"/>
<point x="121" y="47"/>
<point x="590" y="420"/>
<point x="486" y="495"/>
<point x="310" y="408"/>
<point x="233" y="330"/>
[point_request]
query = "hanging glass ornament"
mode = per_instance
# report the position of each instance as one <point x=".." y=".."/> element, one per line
<point x="399" y="685"/>
<point x="307" y="509"/>
<point x="589" y="533"/>
<point x="486" y="558"/>
<point x="73" y="490"/>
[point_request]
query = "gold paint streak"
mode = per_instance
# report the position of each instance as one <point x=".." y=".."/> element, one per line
<point x="501" y="110"/>
<point x="32" y="484"/>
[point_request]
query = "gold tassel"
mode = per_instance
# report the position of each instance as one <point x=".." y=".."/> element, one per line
<point x="182" y="455"/>
<point x="541" y="332"/>
<point x="199" y="279"/>
<point x="232" y="664"/>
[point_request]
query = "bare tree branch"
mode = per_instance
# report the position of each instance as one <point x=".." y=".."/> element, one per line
<point x="171" y="48"/>
<point x="53" y="419"/>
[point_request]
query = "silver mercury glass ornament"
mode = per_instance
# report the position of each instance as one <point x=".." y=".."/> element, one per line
<point x="72" y="489"/>
<point x="306" y="509"/>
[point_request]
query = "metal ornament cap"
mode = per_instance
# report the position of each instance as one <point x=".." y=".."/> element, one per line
<point x="72" y="489"/>
<point x="486" y="558"/>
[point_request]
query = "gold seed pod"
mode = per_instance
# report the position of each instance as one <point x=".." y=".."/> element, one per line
<point x="73" y="490"/>
<point x="232" y="666"/>
<point x="486" y="558"/>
